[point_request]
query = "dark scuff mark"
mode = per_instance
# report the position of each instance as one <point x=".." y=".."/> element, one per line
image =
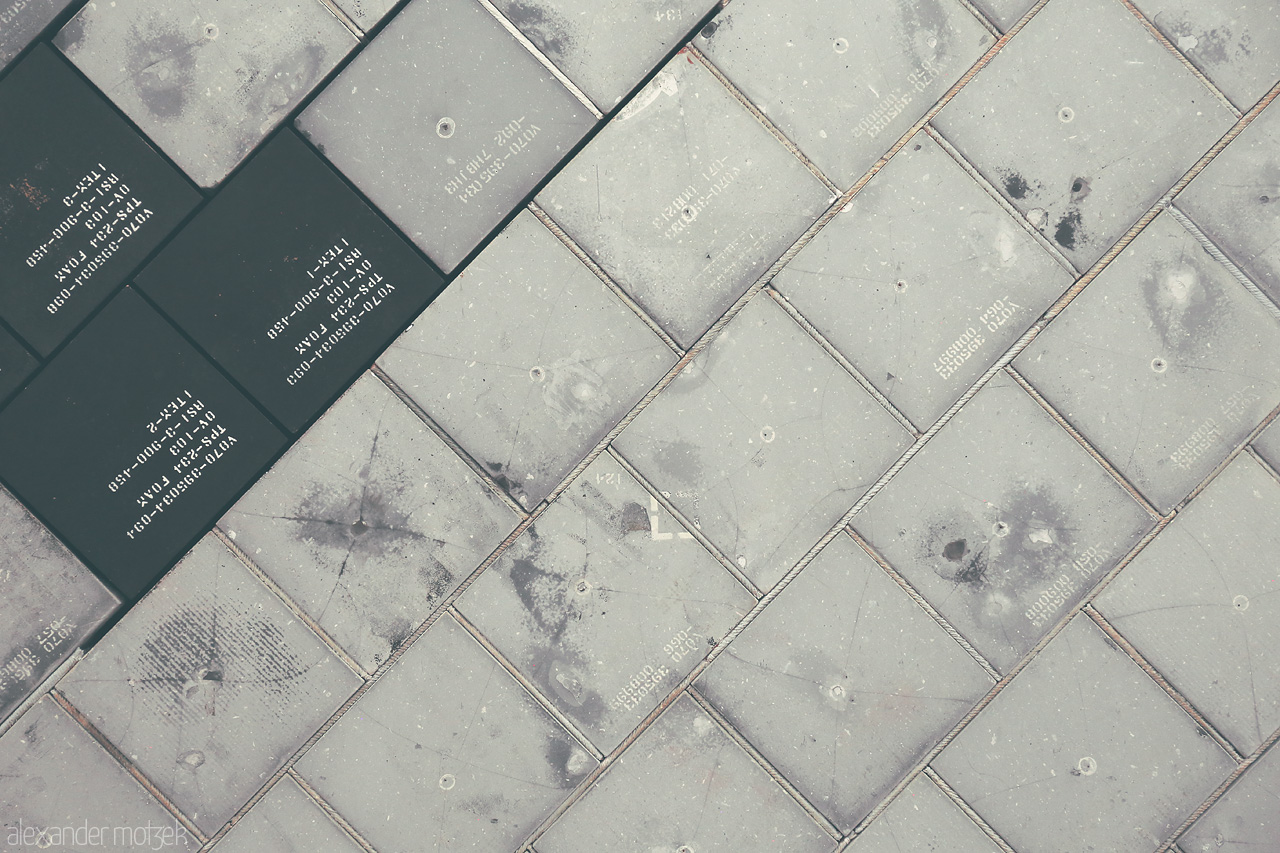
<point x="1016" y="186"/>
<point x="1080" y="188"/>
<point x="1068" y="230"/>
<point x="955" y="550"/>
<point x="162" y="68"/>
<point x="550" y="31"/>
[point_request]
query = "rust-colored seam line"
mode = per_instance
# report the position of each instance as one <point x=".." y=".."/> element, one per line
<point x="288" y="602"/>
<point x="1190" y="66"/>
<point x="1241" y="768"/>
<point x="990" y="189"/>
<point x="1006" y="679"/>
<point x="813" y="332"/>
<point x="589" y="262"/>
<point x="343" y="18"/>
<point x="1231" y="457"/>
<point x="1083" y="442"/>
<point x="924" y="605"/>
<point x="1183" y="703"/>
<point x="476" y="468"/>
<point x="759" y="115"/>
<point x="547" y="705"/>
<point x="74" y="713"/>
<point x="782" y="782"/>
<point x="542" y="59"/>
<point x="955" y="797"/>
<point x="691" y="528"/>
<point x="1221" y="257"/>
<point x="330" y="811"/>
<point x="44" y="687"/>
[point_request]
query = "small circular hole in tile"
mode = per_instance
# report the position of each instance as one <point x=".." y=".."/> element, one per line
<point x="447" y="782"/>
<point x="900" y="285"/>
<point x="1240" y="602"/>
<point x="537" y="374"/>
<point x="1087" y="766"/>
<point x="1159" y="365"/>
<point x="1066" y="115"/>
<point x="211" y="31"/>
<point x="1000" y="529"/>
<point x="1265" y="199"/>
<point x="840" y="45"/>
<point x="767" y="434"/>
<point x="688" y="214"/>
<point x="837" y="692"/>
<point x="684" y="848"/>
<point x="582" y="587"/>
<point x="445" y="128"/>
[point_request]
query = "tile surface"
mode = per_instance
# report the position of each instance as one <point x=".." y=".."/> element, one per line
<point x="209" y="684"/>
<point x="685" y="786"/>
<point x="47" y="764"/>
<point x="83" y="199"/>
<point x="733" y="440"/>
<point x="1202" y="603"/>
<point x="289" y="281"/>
<point x="844" y="80"/>
<point x="206" y="82"/>
<point x="529" y="389"/>
<point x="22" y="22"/>
<point x="1084" y="154"/>
<point x="922" y="281"/>
<point x="684" y="198"/>
<point x="922" y="818"/>
<point x="1002" y="522"/>
<point x="1165" y="363"/>
<point x="16" y="364"/>
<point x="446" y="753"/>
<point x="605" y="603"/>
<point x="368" y="522"/>
<point x="1083" y="746"/>
<point x="133" y="443"/>
<point x="445" y="141"/>
<point x="286" y="820"/>
<point x="1247" y="818"/>
<point x="844" y="683"/>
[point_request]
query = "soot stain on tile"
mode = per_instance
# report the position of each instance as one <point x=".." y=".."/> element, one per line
<point x="1069" y="231"/>
<point x="287" y="79"/>
<point x="1016" y="186"/>
<point x="543" y="26"/>
<point x="161" y="65"/>
<point x="568" y="761"/>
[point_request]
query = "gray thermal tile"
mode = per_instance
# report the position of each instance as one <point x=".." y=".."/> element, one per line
<point x="922" y="281"/>
<point x="1200" y="603"/>
<point x="369" y="521"/>
<point x="685" y="786"/>
<point x="844" y="80"/>
<point x="286" y="820"/>
<point x="527" y="360"/>
<point x="923" y="820"/>
<point x="605" y="48"/>
<point x="1235" y="43"/>
<point x="445" y="752"/>
<point x="1004" y="13"/>
<point x="1236" y="201"/>
<point x="685" y="199"/>
<point x="365" y="13"/>
<point x="49" y="603"/>
<point x="207" y="82"/>
<point x="446" y="122"/>
<point x="605" y="603"/>
<point x="844" y="683"/>
<point x="764" y="442"/>
<point x="1268" y="445"/>
<point x="1083" y="751"/>
<point x="22" y="20"/>
<point x="62" y="791"/>
<point x="1246" y="819"/>
<point x="1084" y="153"/>
<point x="1164" y="363"/>
<point x="209" y="684"/>
<point x="1002" y="522"/>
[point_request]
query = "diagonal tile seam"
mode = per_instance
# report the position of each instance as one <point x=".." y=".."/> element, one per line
<point x="923" y="603"/>
<point x="986" y="22"/>
<point x="1171" y="842"/>
<point x="44" y="687"/>
<point x="541" y="57"/>
<point x="1231" y="457"/>
<point x="1183" y="702"/>
<point x="330" y="811"/>
<point x="1181" y="57"/>
<point x="1266" y="466"/>
<point x="343" y="18"/>
<point x="1221" y="257"/>
<point x="746" y="746"/>
<point x="123" y="760"/>
<point x="945" y="787"/>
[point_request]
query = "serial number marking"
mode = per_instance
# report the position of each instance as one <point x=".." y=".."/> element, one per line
<point x="1210" y="431"/>
<point x="1071" y="576"/>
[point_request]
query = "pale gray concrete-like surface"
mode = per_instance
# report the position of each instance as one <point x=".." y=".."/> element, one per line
<point x="445" y="141"/>
<point x="528" y="390"/>
<point x="1246" y="819"/>
<point x="1083" y="746"/>
<point x="686" y="786"/>
<point x="60" y="790"/>
<point x="206" y="82"/>
<point x="369" y="521"/>
<point x="923" y="818"/>
<point x="844" y="683"/>
<point x="843" y="80"/>
<point x="286" y="820"/>
<point x="209" y="684"/>
<point x="22" y="21"/>
<point x="49" y="603"/>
